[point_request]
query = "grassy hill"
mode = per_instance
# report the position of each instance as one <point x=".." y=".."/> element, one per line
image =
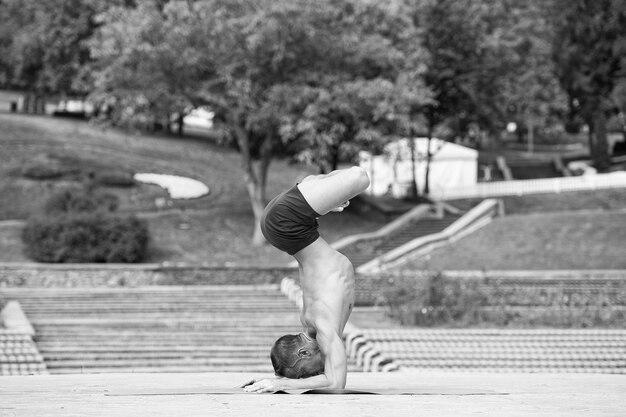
<point x="542" y="241"/>
<point x="214" y="229"/>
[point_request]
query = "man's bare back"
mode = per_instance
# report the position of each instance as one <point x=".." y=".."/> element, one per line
<point x="328" y="287"/>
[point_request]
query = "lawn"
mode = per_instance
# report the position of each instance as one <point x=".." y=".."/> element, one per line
<point x="569" y="230"/>
<point x="544" y="241"/>
<point x="215" y="229"/>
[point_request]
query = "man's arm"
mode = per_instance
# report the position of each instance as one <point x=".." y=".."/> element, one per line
<point x="335" y="367"/>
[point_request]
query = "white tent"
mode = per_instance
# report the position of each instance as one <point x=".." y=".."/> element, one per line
<point x="451" y="166"/>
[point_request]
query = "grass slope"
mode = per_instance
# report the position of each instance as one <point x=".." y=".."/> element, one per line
<point x="215" y="229"/>
<point x="539" y="232"/>
<point x="575" y="240"/>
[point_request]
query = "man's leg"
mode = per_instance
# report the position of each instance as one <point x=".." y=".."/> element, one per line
<point x="326" y="192"/>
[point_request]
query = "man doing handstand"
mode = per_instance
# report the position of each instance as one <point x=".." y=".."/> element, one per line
<point x="315" y="358"/>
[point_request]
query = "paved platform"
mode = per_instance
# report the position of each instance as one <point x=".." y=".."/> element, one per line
<point x="190" y="395"/>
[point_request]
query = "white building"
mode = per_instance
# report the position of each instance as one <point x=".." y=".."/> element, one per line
<point x="451" y="166"/>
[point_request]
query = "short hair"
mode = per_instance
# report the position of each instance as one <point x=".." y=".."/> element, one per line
<point x="286" y="361"/>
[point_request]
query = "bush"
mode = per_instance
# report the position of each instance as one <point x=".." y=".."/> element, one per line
<point x="79" y="226"/>
<point x="434" y="300"/>
<point x="39" y="170"/>
<point x="80" y="200"/>
<point x="86" y="237"/>
<point x="115" y="179"/>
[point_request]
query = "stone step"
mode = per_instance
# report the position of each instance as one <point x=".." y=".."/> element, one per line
<point x="169" y="342"/>
<point x="162" y="356"/>
<point x="155" y="289"/>
<point x="96" y="348"/>
<point x="495" y="345"/>
<point x="156" y="362"/>
<point x="179" y="330"/>
<point x="161" y="337"/>
<point x="513" y="363"/>
<point x="249" y="308"/>
<point x="164" y="321"/>
<point x="513" y="354"/>
<point x="257" y="368"/>
<point x="186" y="329"/>
<point x="235" y="305"/>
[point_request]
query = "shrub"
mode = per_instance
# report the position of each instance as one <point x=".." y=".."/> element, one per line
<point x="42" y="170"/>
<point x="115" y="179"/>
<point x="80" y="200"/>
<point x="433" y="300"/>
<point x="86" y="237"/>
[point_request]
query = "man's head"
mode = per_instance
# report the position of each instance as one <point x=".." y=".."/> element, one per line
<point x="297" y="356"/>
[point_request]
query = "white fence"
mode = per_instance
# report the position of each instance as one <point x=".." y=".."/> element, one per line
<point x="538" y="186"/>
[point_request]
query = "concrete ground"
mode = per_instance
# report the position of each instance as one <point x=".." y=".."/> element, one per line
<point x="438" y="394"/>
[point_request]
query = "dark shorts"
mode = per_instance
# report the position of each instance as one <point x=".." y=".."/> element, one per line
<point x="289" y="223"/>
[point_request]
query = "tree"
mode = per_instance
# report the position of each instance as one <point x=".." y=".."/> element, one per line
<point x="266" y="67"/>
<point x="43" y="43"/>
<point x="588" y="50"/>
<point x="374" y="101"/>
<point x="531" y="92"/>
<point x="149" y="62"/>
<point x="466" y="69"/>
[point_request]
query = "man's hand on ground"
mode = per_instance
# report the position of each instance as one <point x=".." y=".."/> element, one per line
<point x="264" y="385"/>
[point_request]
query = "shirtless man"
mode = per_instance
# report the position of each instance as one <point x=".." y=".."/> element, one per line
<point x="315" y="358"/>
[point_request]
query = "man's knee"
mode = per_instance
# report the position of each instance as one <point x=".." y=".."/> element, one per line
<point x="359" y="177"/>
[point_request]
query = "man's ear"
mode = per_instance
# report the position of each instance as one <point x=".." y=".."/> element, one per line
<point x="304" y="352"/>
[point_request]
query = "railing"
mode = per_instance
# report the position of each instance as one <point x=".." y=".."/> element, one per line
<point x="536" y="186"/>
<point x="417" y="212"/>
<point x="476" y="218"/>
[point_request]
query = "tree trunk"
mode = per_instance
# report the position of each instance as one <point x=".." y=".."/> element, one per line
<point x="598" y="141"/>
<point x="179" y="120"/>
<point x="531" y="132"/>
<point x="428" y="158"/>
<point x="254" y="178"/>
<point x="255" y="191"/>
<point x="168" y="124"/>
<point x="334" y="163"/>
<point x="412" y="193"/>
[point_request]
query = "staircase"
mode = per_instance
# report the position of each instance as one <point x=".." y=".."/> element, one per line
<point x="503" y="350"/>
<point x="157" y="329"/>
<point x="364" y="251"/>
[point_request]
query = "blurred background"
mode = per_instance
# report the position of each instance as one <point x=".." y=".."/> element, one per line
<point x="141" y="139"/>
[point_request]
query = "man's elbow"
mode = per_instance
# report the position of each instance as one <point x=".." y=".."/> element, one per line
<point x="337" y="385"/>
<point x="337" y="378"/>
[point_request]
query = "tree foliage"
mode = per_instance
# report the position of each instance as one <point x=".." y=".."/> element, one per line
<point x="283" y="77"/>
<point x="43" y="43"/>
<point x="589" y="53"/>
<point x="317" y="81"/>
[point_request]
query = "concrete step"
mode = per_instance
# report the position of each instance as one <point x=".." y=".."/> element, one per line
<point x="257" y="368"/>
<point x="196" y="356"/>
<point x="185" y="329"/>
<point x="157" y="362"/>
<point x="159" y="320"/>
<point x="145" y="308"/>
<point x="214" y="348"/>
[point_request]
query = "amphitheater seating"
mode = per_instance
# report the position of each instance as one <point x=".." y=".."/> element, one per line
<point x="19" y="354"/>
<point x="500" y="350"/>
<point x="157" y="329"/>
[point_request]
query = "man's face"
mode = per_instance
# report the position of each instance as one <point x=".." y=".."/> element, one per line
<point x="310" y="352"/>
